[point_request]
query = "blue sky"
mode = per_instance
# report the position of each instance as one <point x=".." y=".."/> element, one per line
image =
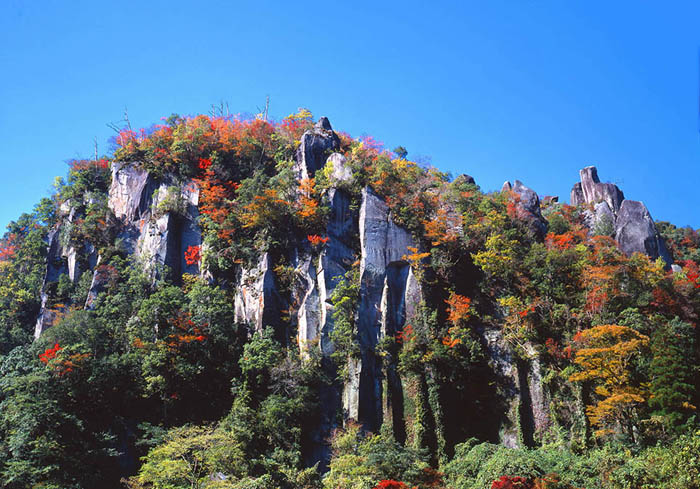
<point x="532" y="90"/>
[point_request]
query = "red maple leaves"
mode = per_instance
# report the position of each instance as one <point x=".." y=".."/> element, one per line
<point x="316" y="240"/>
<point x="193" y="255"/>
<point x="49" y="354"/>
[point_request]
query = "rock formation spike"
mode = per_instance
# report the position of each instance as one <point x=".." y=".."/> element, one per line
<point x="628" y="221"/>
<point x="316" y="144"/>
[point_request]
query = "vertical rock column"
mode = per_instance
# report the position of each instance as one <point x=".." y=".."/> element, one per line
<point x="383" y="245"/>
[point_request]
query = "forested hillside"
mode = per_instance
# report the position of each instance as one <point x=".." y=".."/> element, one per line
<point x="239" y="303"/>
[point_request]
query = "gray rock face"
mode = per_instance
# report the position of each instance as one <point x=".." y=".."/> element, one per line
<point x="55" y="267"/>
<point x="383" y="275"/>
<point x="311" y="309"/>
<point x="601" y="220"/>
<point x="157" y="223"/>
<point x="126" y="193"/>
<point x="314" y="148"/>
<point x="62" y="258"/>
<point x="503" y="364"/>
<point x="340" y="172"/>
<point x="635" y="231"/>
<point x="315" y="316"/>
<point x="166" y="236"/>
<point x="257" y="301"/>
<point x="159" y="219"/>
<point x="527" y="403"/>
<point x="528" y="205"/>
<point x="97" y="285"/>
<point x="535" y="405"/>
<point x="318" y="276"/>
<point x="590" y="190"/>
<point x="577" y="197"/>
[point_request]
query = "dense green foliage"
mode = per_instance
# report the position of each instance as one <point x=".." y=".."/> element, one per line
<point x="156" y="384"/>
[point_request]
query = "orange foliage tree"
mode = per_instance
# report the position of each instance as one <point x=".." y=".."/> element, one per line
<point x="307" y="206"/>
<point x="605" y="354"/>
<point x="458" y="313"/>
<point x="601" y="278"/>
<point x="443" y="228"/>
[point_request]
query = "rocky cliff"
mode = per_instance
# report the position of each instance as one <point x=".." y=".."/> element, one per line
<point x="157" y="223"/>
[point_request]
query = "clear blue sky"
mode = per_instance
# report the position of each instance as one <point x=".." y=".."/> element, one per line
<point x="532" y="90"/>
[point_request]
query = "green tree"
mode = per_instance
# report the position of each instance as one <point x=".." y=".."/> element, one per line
<point x="192" y="457"/>
<point x="672" y="373"/>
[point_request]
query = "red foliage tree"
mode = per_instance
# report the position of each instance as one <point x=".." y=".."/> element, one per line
<point x="8" y="247"/>
<point x="49" y="354"/>
<point x="193" y="255"/>
<point x="391" y="484"/>
<point x="316" y="240"/>
<point x="508" y="482"/>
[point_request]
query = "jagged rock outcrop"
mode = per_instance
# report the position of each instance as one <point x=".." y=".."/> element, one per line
<point x="169" y="227"/>
<point x="97" y="285"/>
<point x="156" y="221"/>
<point x="635" y="231"/>
<point x="318" y="278"/>
<point x="315" y="146"/>
<point x="503" y="363"/>
<point x="528" y="206"/>
<point x="590" y="190"/>
<point x="158" y="218"/>
<point x="63" y="257"/>
<point x="628" y="221"/>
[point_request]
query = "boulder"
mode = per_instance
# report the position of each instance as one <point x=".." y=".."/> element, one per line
<point x="628" y="221"/>
<point x="315" y="145"/>
<point x="464" y="179"/>
<point x="528" y="207"/>
<point x="635" y="231"/>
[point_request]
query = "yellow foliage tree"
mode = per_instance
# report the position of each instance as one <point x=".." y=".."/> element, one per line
<point x="605" y="356"/>
<point x="498" y="258"/>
